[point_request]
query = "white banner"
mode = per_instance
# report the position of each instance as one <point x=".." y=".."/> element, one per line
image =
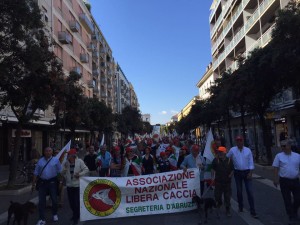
<point x="108" y="197"/>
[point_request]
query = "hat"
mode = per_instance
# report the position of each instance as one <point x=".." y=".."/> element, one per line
<point x="195" y="147"/>
<point x="128" y="149"/>
<point x="117" y="148"/>
<point x="162" y="154"/>
<point x="239" y="138"/>
<point x="169" y="149"/>
<point x="72" y="151"/>
<point x="222" y="149"/>
<point x="184" y="148"/>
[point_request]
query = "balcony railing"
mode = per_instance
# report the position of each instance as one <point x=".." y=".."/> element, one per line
<point x="84" y="57"/>
<point x="74" y="26"/>
<point x="90" y="47"/>
<point x="96" y="72"/>
<point x="88" y="25"/>
<point x="91" y="84"/>
<point x="95" y="54"/>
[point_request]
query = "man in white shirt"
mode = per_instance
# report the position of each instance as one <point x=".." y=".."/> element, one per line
<point x="286" y="173"/>
<point x="242" y="159"/>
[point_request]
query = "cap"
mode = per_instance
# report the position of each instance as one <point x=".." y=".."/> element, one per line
<point x="195" y="147"/>
<point x="162" y="154"/>
<point x="184" y="148"/>
<point x="222" y="149"/>
<point x="116" y="148"/>
<point x="239" y="138"/>
<point x="169" y="149"/>
<point x="72" y="151"/>
<point x="128" y="149"/>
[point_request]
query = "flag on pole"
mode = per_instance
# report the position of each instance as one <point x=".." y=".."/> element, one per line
<point x="62" y="153"/>
<point x="209" y="156"/>
<point x="102" y="141"/>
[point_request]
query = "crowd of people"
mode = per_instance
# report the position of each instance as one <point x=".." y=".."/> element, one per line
<point x="158" y="155"/>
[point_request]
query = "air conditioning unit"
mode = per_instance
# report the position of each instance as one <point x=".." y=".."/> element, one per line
<point x="74" y="26"/>
<point x="64" y="37"/>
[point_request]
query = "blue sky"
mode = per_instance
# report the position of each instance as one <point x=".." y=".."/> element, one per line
<point x="162" y="46"/>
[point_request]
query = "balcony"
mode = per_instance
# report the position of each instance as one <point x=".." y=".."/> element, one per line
<point x="95" y="54"/>
<point x="84" y="57"/>
<point x="96" y="90"/>
<point x="109" y="86"/>
<point x="76" y="70"/>
<point x="87" y="24"/>
<point x="109" y="99"/>
<point x="91" y="47"/>
<point x="74" y="26"/>
<point x="103" y="94"/>
<point x="103" y="64"/>
<point x="103" y="80"/>
<point x="96" y="72"/>
<point x="96" y="37"/>
<point x="91" y="83"/>
<point x="64" y="37"/>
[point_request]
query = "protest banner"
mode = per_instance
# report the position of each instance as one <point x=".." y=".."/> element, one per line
<point x="108" y="197"/>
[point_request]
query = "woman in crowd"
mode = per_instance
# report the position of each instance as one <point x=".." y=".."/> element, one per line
<point x="132" y="163"/>
<point x="116" y="162"/>
<point x="148" y="162"/>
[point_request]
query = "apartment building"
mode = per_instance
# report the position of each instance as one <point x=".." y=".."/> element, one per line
<point x="146" y="118"/>
<point x="239" y="26"/>
<point x="186" y="110"/>
<point x="236" y="28"/>
<point x="122" y="92"/>
<point x="134" y="103"/>
<point x="205" y="82"/>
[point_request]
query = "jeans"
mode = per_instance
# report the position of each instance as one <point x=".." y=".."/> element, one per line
<point x="47" y="187"/>
<point x="73" y="196"/>
<point x="240" y="176"/>
<point x="289" y="187"/>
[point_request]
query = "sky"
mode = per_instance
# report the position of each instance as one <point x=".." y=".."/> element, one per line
<point x="162" y="46"/>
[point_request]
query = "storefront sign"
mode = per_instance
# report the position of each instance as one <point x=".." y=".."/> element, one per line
<point x="24" y="133"/>
<point x="109" y="197"/>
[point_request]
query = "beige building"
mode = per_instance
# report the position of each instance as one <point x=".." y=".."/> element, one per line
<point x="205" y="82"/>
<point x="186" y="110"/>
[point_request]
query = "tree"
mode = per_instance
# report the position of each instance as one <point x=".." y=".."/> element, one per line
<point x="285" y="45"/>
<point x="99" y="116"/>
<point x="262" y="86"/>
<point x="147" y="127"/>
<point x="130" y="121"/>
<point x="29" y="71"/>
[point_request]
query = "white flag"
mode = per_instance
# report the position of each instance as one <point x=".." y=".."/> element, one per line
<point x="62" y="153"/>
<point x="208" y="151"/>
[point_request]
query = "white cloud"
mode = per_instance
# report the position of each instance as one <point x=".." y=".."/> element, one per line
<point x="163" y="112"/>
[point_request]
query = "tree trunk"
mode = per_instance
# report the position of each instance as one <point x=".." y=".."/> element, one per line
<point x="13" y="167"/>
<point x="243" y="124"/>
<point x="229" y="128"/>
<point x="266" y="137"/>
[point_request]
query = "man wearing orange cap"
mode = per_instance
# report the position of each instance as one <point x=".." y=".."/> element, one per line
<point x="222" y="170"/>
<point x="242" y="159"/>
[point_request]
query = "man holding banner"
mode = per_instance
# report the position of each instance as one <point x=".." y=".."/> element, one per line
<point x="194" y="160"/>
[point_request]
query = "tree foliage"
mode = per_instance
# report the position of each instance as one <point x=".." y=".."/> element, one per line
<point x="130" y="121"/>
<point x="29" y="71"/>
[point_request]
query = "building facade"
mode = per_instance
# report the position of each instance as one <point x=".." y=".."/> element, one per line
<point x="80" y="47"/>
<point x="236" y="28"/>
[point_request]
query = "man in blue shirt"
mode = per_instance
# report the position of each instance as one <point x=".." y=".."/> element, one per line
<point x="47" y="168"/>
